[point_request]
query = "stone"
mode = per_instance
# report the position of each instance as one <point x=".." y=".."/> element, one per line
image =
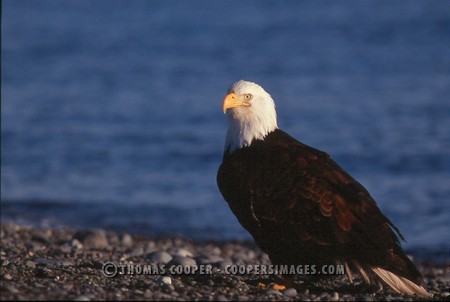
<point x="164" y="280"/>
<point x="334" y="296"/>
<point x="126" y="240"/>
<point x="95" y="239"/>
<point x="221" y="298"/>
<point x="53" y="262"/>
<point x="184" y="261"/>
<point x="30" y="264"/>
<point x="273" y="292"/>
<point x="76" y="244"/>
<point x="290" y="292"/>
<point x="159" y="257"/>
<point x="224" y="263"/>
<point x="148" y="293"/>
<point x="137" y="251"/>
<point x="212" y="259"/>
<point x="10" y="288"/>
<point x="150" y="247"/>
<point x="181" y="252"/>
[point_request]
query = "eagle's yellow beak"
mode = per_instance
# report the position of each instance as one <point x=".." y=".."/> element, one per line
<point x="231" y="101"/>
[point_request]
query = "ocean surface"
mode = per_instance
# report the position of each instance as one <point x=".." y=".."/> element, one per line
<point x="111" y="110"/>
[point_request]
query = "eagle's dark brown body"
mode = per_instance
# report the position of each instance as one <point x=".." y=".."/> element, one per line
<point x="301" y="207"/>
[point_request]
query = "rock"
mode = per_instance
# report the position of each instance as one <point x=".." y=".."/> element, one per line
<point x="76" y="244"/>
<point x="41" y="236"/>
<point x="33" y="247"/>
<point x="159" y="257"/>
<point x="246" y="255"/>
<point x="43" y="272"/>
<point x="181" y="252"/>
<point x="215" y="251"/>
<point x="65" y="248"/>
<point x="334" y="296"/>
<point x="10" y="288"/>
<point x="224" y="263"/>
<point x="184" y="261"/>
<point x="82" y="298"/>
<point x="150" y="247"/>
<point x="137" y="251"/>
<point x="7" y="277"/>
<point x="95" y="239"/>
<point x="148" y="293"/>
<point x="30" y="264"/>
<point x="53" y="262"/>
<point x="126" y="240"/>
<point x="212" y="259"/>
<point x="290" y="292"/>
<point x="273" y="292"/>
<point x="164" y="280"/>
<point x="221" y="298"/>
<point x="362" y="298"/>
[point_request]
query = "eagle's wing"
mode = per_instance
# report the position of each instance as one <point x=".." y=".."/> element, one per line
<point x="306" y="187"/>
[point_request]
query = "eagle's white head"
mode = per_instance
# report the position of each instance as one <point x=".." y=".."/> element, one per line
<point x="251" y="113"/>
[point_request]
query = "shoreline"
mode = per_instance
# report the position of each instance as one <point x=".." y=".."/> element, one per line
<point x="46" y="264"/>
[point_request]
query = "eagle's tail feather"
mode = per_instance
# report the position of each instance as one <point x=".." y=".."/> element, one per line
<point x="348" y="272"/>
<point x="361" y="272"/>
<point x="401" y="284"/>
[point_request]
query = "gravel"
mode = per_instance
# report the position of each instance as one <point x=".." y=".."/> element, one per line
<point x="72" y="265"/>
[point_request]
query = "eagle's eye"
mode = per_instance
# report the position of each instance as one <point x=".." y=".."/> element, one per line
<point x="248" y="97"/>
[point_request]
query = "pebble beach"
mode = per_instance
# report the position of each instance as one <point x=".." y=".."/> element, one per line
<point x="46" y="264"/>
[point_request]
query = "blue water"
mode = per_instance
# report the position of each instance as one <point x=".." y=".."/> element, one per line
<point x="111" y="110"/>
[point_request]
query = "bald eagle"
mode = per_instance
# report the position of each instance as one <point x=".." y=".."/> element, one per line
<point x="299" y="205"/>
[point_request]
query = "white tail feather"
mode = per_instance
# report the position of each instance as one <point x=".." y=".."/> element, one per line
<point x="401" y="284"/>
<point x="348" y="272"/>
<point x="362" y="272"/>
